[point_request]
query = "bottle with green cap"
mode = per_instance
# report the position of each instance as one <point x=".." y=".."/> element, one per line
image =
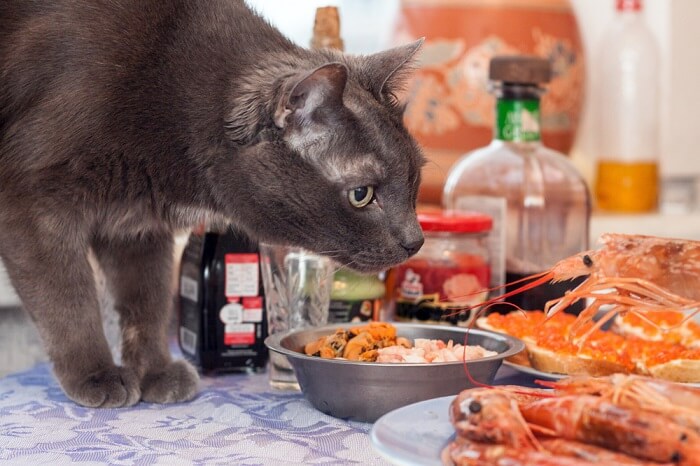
<point x="539" y="202"/>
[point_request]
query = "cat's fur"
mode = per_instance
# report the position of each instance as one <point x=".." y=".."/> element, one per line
<point x="122" y="121"/>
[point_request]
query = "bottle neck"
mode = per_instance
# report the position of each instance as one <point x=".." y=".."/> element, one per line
<point x="518" y="114"/>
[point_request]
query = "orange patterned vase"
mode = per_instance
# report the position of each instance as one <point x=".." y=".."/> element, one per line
<point x="450" y="110"/>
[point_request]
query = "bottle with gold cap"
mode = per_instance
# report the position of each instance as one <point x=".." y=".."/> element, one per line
<point x="539" y="202"/>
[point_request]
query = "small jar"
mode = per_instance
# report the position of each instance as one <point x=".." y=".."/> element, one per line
<point x="450" y="274"/>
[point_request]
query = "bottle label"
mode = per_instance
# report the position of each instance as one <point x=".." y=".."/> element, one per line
<point x="518" y="120"/>
<point x="241" y="275"/>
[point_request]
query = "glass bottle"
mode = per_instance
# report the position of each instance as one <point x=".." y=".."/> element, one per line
<point x="539" y="202"/>
<point x="627" y="176"/>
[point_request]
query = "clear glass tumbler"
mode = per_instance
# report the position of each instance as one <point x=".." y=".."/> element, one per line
<point x="298" y="287"/>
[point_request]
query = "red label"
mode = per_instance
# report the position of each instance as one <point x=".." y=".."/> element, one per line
<point x="253" y="303"/>
<point x="250" y="258"/>
<point x="239" y="338"/>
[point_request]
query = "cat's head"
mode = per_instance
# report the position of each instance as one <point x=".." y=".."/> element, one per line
<point x="337" y="172"/>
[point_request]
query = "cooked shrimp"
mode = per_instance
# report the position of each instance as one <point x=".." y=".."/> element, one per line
<point x="670" y="267"/>
<point x="595" y="420"/>
<point x="678" y="402"/>
<point x="498" y="426"/>
<point x="429" y="351"/>
<point x="635" y="273"/>
<point x="491" y="415"/>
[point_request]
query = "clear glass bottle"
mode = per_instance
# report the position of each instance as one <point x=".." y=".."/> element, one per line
<point x="627" y="175"/>
<point x="539" y="202"/>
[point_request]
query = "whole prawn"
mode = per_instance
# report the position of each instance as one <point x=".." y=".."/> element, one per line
<point x="681" y="403"/>
<point x="500" y="427"/>
<point x="633" y="273"/>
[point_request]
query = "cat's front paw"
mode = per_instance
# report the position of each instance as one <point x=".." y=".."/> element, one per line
<point x="112" y="387"/>
<point x="176" y="382"/>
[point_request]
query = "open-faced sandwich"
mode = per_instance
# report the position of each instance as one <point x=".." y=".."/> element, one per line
<point x="660" y="344"/>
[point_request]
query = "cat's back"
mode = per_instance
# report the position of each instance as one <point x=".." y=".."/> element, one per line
<point x="67" y="66"/>
<point x="41" y="40"/>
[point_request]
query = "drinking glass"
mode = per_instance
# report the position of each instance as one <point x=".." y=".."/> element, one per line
<point x="297" y="294"/>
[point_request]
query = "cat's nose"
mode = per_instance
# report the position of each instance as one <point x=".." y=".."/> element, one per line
<point x="413" y="247"/>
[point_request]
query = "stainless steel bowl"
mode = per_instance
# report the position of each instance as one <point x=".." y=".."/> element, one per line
<point x="364" y="391"/>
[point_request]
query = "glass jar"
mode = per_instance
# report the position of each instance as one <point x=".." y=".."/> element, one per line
<point x="450" y="274"/>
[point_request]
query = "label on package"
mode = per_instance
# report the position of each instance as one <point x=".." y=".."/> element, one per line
<point x="252" y="309"/>
<point x="189" y="288"/>
<point x="239" y="334"/>
<point x="242" y="275"/>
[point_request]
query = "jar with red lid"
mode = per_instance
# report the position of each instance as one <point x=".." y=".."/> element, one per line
<point x="451" y="272"/>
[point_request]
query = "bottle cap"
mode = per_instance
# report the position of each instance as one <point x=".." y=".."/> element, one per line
<point x="629" y="5"/>
<point x="520" y="69"/>
<point x="463" y="222"/>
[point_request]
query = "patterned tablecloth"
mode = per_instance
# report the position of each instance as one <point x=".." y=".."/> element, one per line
<point x="235" y="419"/>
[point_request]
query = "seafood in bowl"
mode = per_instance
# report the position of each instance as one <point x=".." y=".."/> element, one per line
<point x="378" y="342"/>
<point x="364" y="391"/>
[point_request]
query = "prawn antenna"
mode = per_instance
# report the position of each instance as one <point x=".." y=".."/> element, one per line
<point x="472" y="322"/>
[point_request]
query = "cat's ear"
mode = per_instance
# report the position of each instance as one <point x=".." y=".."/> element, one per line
<point x="321" y="88"/>
<point x="387" y="71"/>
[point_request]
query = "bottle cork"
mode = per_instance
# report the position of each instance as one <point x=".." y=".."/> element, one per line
<point x="327" y="29"/>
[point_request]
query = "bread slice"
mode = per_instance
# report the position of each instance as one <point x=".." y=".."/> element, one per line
<point x="677" y="370"/>
<point x="546" y="360"/>
<point x="557" y="362"/>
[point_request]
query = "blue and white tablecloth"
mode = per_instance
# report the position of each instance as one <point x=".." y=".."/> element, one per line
<point x="234" y="420"/>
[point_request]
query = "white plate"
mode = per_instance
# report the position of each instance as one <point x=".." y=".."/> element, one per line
<point x="533" y="372"/>
<point x="415" y="434"/>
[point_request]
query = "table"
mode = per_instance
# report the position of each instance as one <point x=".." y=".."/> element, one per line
<point x="235" y="419"/>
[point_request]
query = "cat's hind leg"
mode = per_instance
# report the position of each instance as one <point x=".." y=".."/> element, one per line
<point x="54" y="279"/>
<point x="139" y="276"/>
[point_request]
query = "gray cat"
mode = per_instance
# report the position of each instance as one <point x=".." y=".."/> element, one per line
<point x="124" y="121"/>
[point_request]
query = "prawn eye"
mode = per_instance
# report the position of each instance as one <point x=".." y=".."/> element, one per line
<point x="587" y="261"/>
<point x="360" y="197"/>
<point x="474" y="407"/>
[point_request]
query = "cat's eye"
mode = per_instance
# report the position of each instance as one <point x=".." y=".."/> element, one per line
<point x="360" y="197"/>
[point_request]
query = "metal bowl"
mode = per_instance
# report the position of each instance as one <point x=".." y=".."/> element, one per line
<point x="364" y="391"/>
